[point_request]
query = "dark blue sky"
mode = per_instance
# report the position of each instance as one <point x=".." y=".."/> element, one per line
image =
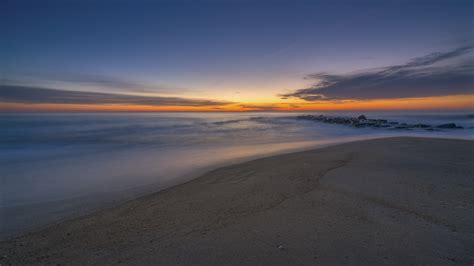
<point x="228" y="50"/>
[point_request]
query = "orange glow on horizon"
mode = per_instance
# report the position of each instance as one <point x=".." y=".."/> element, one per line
<point x="457" y="102"/>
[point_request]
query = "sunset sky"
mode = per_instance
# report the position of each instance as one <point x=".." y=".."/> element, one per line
<point x="236" y="55"/>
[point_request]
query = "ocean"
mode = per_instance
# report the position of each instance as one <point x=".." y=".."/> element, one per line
<point x="55" y="166"/>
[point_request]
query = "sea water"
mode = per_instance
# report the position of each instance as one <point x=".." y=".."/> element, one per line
<point x="54" y="166"/>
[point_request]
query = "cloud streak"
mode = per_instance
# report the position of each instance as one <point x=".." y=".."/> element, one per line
<point x="36" y="95"/>
<point x="102" y="82"/>
<point x="437" y="74"/>
<point x="260" y="107"/>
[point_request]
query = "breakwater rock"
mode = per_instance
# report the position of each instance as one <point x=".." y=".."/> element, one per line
<point x="362" y="121"/>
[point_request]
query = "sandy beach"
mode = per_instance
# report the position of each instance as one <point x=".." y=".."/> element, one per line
<point x="393" y="201"/>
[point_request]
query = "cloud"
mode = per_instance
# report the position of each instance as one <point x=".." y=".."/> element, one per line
<point x="260" y="107"/>
<point x="437" y="74"/>
<point x="103" y="82"/>
<point x="35" y="95"/>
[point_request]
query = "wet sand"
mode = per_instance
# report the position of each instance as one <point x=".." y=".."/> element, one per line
<point x="382" y="202"/>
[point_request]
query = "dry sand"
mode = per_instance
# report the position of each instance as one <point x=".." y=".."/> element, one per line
<point x="380" y="202"/>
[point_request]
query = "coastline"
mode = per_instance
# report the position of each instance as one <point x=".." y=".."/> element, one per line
<point x="400" y="200"/>
<point x="75" y="207"/>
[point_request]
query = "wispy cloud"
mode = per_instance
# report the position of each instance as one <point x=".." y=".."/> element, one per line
<point x="35" y="95"/>
<point x="437" y="74"/>
<point x="99" y="82"/>
<point x="260" y="107"/>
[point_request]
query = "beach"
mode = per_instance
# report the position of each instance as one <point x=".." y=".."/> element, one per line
<point x="390" y="201"/>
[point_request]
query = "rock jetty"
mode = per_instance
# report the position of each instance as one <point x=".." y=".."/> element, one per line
<point x="362" y="121"/>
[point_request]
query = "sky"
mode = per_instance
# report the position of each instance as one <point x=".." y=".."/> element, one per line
<point x="236" y="55"/>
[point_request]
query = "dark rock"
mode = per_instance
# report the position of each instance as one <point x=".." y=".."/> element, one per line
<point x="421" y="126"/>
<point x="362" y="121"/>
<point x="450" y="125"/>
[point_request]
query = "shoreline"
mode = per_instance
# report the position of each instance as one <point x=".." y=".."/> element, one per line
<point x="180" y="210"/>
<point x="117" y="198"/>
